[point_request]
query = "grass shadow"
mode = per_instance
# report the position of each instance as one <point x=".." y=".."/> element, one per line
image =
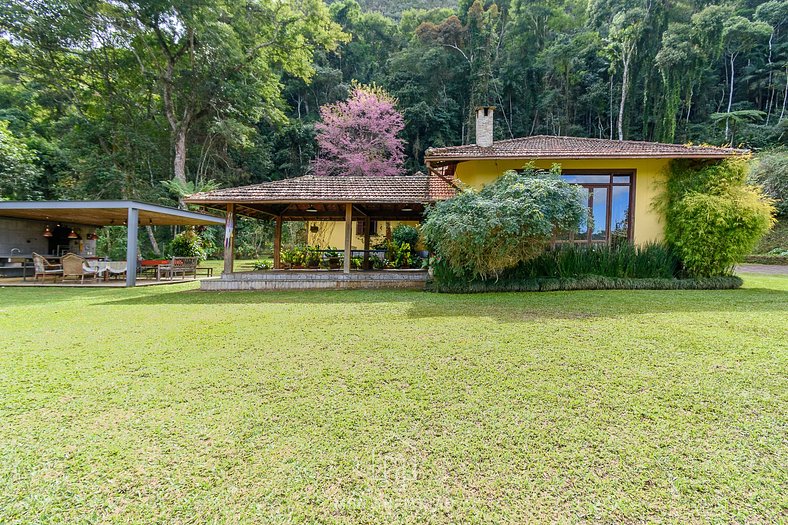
<point x="502" y="306"/>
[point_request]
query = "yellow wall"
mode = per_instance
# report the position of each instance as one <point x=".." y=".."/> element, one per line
<point x="649" y="173"/>
<point x="331" y="234"/>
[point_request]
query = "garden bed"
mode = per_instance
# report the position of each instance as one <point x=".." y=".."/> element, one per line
<point x="588" y="282"/>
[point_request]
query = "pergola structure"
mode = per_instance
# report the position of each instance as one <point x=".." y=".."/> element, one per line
<point x="326" y="198"/>
<point x="131" y="214"/>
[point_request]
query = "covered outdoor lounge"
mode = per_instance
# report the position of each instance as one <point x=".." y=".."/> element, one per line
<point x="322" y="198"/>
<point x="22" y="224"/>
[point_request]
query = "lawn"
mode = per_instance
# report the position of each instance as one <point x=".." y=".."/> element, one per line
<point x="169" y="405"/>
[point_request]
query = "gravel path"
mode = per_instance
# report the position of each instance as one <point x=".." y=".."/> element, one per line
<point x="767" y="269"/>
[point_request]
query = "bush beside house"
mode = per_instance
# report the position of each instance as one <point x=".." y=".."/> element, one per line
<point x="479" y="234"/>
<point x="713" y="217"/>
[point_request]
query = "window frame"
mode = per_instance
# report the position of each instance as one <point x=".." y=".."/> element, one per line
<point x="373" y="227"/>
<point x="609" y="185"/>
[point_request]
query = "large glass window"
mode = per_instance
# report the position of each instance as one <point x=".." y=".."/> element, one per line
<point x="609" y="200"/>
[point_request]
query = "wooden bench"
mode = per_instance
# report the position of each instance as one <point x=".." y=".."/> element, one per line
<point x="178" y="265"/>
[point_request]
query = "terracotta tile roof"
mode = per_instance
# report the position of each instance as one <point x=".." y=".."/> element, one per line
<point x="555" y="147"/>
<point x="417" y="188"/>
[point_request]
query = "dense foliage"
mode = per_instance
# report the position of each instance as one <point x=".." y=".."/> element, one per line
<point x="586" y="282"/>
<point x="770" y="170"/>
<point x="405" y="234"/>
<point x="19" y="173"/>
<point x="188" y="244"/>
<point x="713" y="218"/>
<point x="622" y="261"/>
<point x="111" y="98"/>
<point x="117" y="96"/>
<point x="508" y="222"/>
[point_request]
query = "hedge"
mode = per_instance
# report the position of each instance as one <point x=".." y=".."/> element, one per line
<point x="589" y="282"/>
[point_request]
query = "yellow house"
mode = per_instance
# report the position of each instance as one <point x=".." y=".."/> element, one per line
<point x="619" y="178"/>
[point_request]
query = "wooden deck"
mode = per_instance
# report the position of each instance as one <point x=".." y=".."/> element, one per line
<point x="317" y="280"/>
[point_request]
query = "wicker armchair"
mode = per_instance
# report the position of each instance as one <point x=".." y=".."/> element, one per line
<point x="76" y="266"/>
<point x="43" y="268"/>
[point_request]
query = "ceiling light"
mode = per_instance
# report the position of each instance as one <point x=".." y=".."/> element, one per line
<point x="311" y="209"/>
<point x="73" y="234"/>
<point x="47" y="231"/>
<point x="407" y="208"/>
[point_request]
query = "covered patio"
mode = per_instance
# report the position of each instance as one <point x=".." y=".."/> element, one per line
<point x="320" y="198"/>
<point x="89" y="214"/>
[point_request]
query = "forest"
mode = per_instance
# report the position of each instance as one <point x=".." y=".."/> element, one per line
<point x="158" y="98"/>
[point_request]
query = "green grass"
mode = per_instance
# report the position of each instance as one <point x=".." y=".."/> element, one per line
<point x="168" y="405"/>
<point x="241" y="265"/>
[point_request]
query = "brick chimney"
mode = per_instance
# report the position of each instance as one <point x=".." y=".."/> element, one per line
<point x="484" y="126"/>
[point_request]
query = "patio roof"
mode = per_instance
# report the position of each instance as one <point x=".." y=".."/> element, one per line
<point x="104" y="213"/>
<point x="558" y="147"/>
<point x="313" y="197"/>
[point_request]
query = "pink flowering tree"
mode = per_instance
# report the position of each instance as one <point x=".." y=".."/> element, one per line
<point x="359" y="136"/>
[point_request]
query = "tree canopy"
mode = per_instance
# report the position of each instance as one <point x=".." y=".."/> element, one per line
<point x="112" y="97"/>
<point x="359" y="136"/>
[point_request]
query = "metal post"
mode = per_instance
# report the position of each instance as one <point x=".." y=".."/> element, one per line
<point x="132" y="224"/>
<point x="348" y="234"/>
<point x="229" y="239"/>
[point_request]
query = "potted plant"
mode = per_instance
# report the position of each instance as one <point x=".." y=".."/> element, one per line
<point x="299" y="257"/>
<point x="402" y="256"/>
<point x="287" y="259"/>
<point x="313" y="257"/>
<point x="334" y="260"/>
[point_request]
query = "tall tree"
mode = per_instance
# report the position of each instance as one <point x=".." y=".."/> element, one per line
<point x="740" y="36"/>
<point x="360" y="136"/>
<point x="218" y="60"/>
<point x="625" y="34"/>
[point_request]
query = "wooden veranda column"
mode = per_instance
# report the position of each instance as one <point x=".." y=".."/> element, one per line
<point x="367" y="224"/>
<point x="132" y="224"/>
<point x="229" y="239"/>
<point x="278" y="243"/>
<point x="348" y="235"/>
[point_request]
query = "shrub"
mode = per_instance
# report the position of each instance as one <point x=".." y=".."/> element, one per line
<point x="313" y="256"/>
<point x="187" y="244"/>
<point x="713" y="218"/>
<point x="405" y="234"/>
<point x="403" y="258"/>
<point x="262" y="265"/>
<point x="770" y="170"/>
<point x="480" y="234"/>
<point x="622" y="261"/>
<point x="295" y="256"/>
<point x="588" y="282"/>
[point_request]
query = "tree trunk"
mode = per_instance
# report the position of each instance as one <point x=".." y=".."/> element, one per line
<point x="610" y="106"/>
<point x="624" y="88"/>
<point x="179" y="165"/>
<point x="785" y="96"/>
<point x="730" y="99"/>
<point x="770" y="93"/>
<point x="152" y="239"/>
